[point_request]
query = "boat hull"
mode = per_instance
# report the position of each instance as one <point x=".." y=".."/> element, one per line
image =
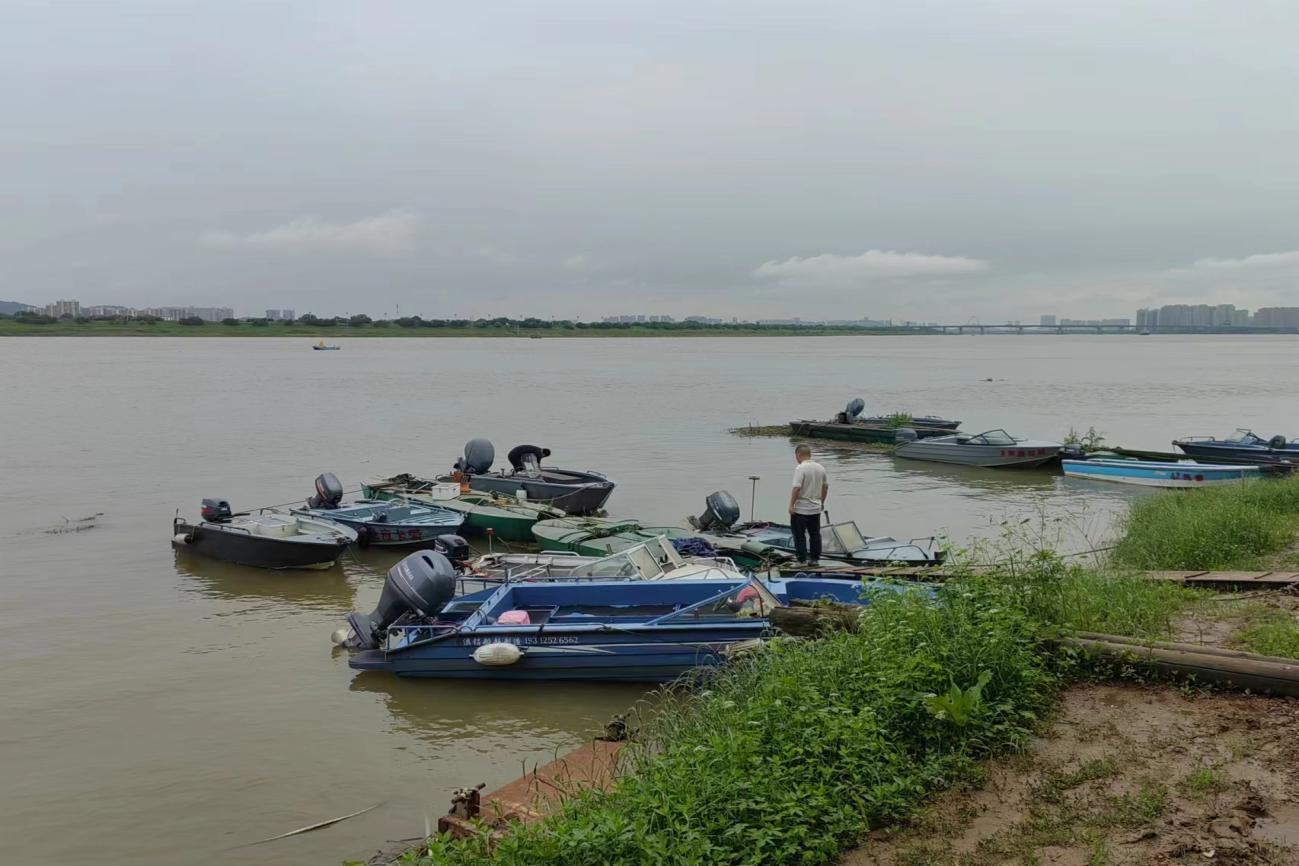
<point x="257" y="551"/>
<point x="1018" y="456"/>
<point x="373" y="533"/>
<point x="875" y="434"/>
<point x="587" y="494"/>
<point x="626" y="655"/>
<point x="1252" y="454"/>
<point x="507" y="519"/>
<point x="762" y="547"/>
<point x="1151" y="474"/>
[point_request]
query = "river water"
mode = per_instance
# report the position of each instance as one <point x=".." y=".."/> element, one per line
<point x="158" y="710"/>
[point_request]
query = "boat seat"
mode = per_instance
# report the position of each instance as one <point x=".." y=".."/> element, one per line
<point x="272" y="528"/>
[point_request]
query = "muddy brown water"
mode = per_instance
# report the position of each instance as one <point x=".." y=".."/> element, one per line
<point x="162" y="710"/>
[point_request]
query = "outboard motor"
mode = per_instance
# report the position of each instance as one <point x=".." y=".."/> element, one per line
<point x="422" y="582"/>
<point x="905" y="434"/>
<point x="329" y="492"/>
<point x="855" y="407"/>
<point x="215" y="510"/>
<point x="721" y="511"/>
<point x="1276" y="442"/>
<point x="479" y="454"/>
<point x="454" y="548"/>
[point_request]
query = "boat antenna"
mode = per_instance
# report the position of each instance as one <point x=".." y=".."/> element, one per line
<point x="753" y="495"/>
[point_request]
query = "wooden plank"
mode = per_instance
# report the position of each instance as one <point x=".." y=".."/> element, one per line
<point x="1181" y="576"/>
<point x="535" y="795"/>
<point x="1226" y="577"/>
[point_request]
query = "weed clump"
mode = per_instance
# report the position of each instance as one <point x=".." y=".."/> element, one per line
<point x="1226" y="527"/>
<point x="790" y="755"/>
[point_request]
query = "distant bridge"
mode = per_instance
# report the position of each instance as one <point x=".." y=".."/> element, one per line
<point x="1013" y="328"/>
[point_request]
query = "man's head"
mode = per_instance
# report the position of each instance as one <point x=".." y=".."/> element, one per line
<point x="801" y="453"/>
<point x="545" y="452"/>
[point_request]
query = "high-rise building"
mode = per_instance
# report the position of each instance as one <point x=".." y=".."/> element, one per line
<point x="1047" y="321"/>
<point x="1277" y="317"/>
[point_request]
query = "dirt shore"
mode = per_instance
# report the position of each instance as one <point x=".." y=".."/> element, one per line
<point x="1126" y="774"/>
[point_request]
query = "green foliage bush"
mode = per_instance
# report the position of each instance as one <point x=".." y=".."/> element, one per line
<point x="788" y="756"/>
<point x="1226" y="527"/>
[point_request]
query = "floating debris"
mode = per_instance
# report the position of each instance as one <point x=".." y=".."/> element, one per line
<point x="781" y="430"/>
<point x="80" y="524"/>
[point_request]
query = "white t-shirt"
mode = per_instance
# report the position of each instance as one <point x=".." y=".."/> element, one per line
<point x="809" y="481"/>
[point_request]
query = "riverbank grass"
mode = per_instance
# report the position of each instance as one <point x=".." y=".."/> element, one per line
<point x="1217" y="528"/>
<point x="791" y="754"/>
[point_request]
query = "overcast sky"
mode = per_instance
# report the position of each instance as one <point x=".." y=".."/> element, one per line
<point x="912" y="160"/>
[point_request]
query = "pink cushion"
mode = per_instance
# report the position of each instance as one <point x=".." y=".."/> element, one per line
<point x="514" y="617"/>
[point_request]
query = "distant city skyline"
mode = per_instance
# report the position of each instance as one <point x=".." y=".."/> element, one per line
<point x="1168" y="316"/>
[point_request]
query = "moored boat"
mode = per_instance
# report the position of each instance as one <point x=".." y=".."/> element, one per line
<point x="321" y="347"/>
<point x="266" y="539"/>
<point x="1149" y="473"/>
<point x="752" y="545"/>
<point x="570" y="490"/>
<point x="849" y="426"/>
<point x="1244" y="445"/>
<point x="381" y="523"/>
<point x="880" y="434"/>
<point x="508" y="518"/>
<point x="621" y="630"/>
<point x="993" y="448"/>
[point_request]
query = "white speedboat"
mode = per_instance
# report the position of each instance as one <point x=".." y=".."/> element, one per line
<point x="994" y="448"/>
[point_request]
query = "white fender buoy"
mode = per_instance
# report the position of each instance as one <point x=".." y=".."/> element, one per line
<point x="497" y="654"/>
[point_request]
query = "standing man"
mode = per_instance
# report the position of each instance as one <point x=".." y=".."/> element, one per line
<point x="806" y="502"/>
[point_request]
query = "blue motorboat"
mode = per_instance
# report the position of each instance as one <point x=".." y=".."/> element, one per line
<point x="1149" y="473"/>
<point x="624" y="630"/>
<point x="380" y="523"/>
<point x="1244" y="445"/>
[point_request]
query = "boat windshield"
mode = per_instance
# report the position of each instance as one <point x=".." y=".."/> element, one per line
<point x="992" y="437"/>
<point x="1244" y="437"/>
<point x="648" y="561"/>
<point x="752" y="600"/>
<point x="842" y="538"/>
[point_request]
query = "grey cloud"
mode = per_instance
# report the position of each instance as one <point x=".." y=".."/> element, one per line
<point x="836" y="270"/>
<point x="390" y="232"/>
<point x="582" y="158"/>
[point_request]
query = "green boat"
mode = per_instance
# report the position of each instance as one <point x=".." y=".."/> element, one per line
<point x="856" y="431"/>
<point x="601" y="536"/>
<point x="508" y="518"/>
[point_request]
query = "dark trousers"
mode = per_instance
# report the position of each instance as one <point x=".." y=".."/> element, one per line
<point x="806" y="526"/>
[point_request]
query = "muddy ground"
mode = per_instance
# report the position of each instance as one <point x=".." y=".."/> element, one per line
<point x="1127" y="774"/>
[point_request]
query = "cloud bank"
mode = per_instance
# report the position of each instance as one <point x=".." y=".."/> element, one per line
<point x="391" y="232"/>
<point x="1256" y="262"/>
<point x="831" y="269"/>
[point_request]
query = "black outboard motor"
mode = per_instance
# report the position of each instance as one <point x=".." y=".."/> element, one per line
<point x="479" y="454"/>
<point x="454" y="548"/>
<point x="1276" y="443"/>
<point x="721" y="511"/>
<point x="905" y="434"/>
<point x="215" y="510"/>
<point x="329" y="492"/>
<point x="855" y="407"/>
<point x="422" y="582"/>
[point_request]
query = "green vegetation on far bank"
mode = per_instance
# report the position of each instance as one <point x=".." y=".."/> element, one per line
<point x="1235" y="526"/>
<point x="347" y="329"/>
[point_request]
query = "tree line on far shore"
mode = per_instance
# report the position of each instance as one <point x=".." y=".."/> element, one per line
<point x="363" y="321"/>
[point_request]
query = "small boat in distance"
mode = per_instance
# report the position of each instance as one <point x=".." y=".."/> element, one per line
<point x="993" y="448"/>
<point x="266" y="539"/>
<point x="321" y="347"/>
<point x="1148" y="473"/>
